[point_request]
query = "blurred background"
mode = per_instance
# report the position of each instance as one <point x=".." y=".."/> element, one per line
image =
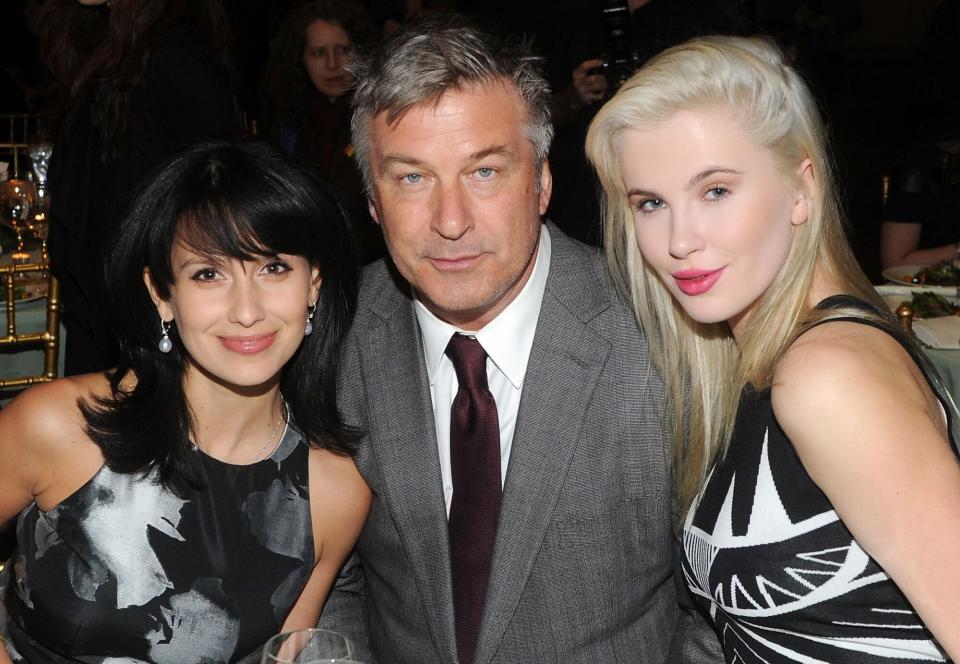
<point x="887" y="72"/>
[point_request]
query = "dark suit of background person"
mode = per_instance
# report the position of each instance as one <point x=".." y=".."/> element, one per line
<point x="583" y="563"/>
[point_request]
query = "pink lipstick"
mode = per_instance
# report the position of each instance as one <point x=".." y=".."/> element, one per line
<point x="697" y="282"/>
<point x="248" y="345"/>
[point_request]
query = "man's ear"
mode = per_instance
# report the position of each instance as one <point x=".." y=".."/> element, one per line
<point x="805" y="194"/>
<point x="546" y="186"/>
<point x="163" y="308"/>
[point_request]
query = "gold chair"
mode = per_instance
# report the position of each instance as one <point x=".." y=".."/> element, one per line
<point x="47" y="340"/>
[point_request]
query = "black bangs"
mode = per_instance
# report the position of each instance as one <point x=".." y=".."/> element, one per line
<point x="218" y="231"/>
<point x="245" y="203"/>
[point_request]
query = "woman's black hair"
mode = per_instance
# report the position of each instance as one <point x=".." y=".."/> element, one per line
<point x="238" y="200"/>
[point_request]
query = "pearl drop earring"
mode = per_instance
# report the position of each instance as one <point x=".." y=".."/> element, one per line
<point x="165" y="344"/>
<point x="308" y="330"/>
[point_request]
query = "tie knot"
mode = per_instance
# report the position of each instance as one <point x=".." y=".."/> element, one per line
<point x="469" y="361"/>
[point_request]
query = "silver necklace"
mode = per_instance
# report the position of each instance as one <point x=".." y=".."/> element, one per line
<point x="283" y="413"/>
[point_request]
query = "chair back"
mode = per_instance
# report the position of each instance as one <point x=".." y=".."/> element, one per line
<point x="16" y="341"/>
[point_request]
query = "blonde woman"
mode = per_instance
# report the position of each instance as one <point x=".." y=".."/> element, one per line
<point x="813" y="442"/>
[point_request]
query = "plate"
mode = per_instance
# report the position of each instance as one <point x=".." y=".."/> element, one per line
<point x="895" y="295"/>
<point x="902" y="275"/>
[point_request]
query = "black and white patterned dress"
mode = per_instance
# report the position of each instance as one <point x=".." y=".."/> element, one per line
<point x="124" y="571"/>
<point x="779" y="574"/>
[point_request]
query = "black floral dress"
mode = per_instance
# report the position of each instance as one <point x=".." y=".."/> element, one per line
<point x="124" y="571"/>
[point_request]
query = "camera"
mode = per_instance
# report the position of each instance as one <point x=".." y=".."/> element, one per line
<point x="620" y="59"/>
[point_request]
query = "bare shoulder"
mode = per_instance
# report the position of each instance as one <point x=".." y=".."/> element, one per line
<point x="50" y="411"/>
<point x="44" y="450"/>
<point x="842" y="365"/>
<point x="850" y="382"/>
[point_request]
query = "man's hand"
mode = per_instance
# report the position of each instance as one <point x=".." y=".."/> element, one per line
<point x="590" y="87"/>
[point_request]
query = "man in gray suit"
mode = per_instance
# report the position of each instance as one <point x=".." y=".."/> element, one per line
<point x="522" y="500"/>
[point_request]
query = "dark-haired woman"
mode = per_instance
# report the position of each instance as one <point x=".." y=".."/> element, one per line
<point x="137" y="81"/>
<point x="200" y="497"/>
<point x="306" y="99"/>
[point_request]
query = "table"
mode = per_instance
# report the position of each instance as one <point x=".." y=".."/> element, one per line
<point x="945" y="360"/>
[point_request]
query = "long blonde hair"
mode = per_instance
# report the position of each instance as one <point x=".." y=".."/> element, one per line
<point x="704" y="369"/>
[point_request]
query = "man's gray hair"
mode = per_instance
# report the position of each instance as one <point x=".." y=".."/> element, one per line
<point x="442" y="52"/>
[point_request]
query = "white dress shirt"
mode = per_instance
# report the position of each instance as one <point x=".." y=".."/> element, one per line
<point x="507" y="340"/>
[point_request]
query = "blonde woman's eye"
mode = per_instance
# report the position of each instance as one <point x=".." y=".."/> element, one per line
<point x="650" y="204"/>
<point x="717" y="192"/>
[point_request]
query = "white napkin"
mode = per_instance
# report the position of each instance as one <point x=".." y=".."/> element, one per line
<point x="943" y="332"/>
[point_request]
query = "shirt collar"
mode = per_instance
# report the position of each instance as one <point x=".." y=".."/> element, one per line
<point x="508" y="338"/>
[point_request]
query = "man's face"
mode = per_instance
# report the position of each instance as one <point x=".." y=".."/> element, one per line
<point x="455" y="189"/>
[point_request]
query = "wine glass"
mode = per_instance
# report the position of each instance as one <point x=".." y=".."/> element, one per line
<point x="40" y="152"/>
<point x="16" y="198"/>
<point x="307" y="646"/>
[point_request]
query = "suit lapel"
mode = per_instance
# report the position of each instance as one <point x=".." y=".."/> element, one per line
<point x="565" y="364"/>
<point x="406" y="452"/>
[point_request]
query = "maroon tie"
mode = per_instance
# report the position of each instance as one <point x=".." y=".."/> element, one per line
<point x="475" y="465"/>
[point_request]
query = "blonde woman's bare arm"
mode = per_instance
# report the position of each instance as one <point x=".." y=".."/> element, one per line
<point x="873" y="437"/>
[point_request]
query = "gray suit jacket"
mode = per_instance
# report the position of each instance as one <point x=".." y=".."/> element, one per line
<point x="583" y="567"/>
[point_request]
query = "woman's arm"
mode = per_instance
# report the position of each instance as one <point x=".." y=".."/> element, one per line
<point x="4" y="657"/>
<point x="21" y="457"/>
<point x="32" y="437"/>
<point x="899" y="242"/>
<point x="339" y="502"/>
<point x="873" y="437"/>
<point x="45" y="453"/>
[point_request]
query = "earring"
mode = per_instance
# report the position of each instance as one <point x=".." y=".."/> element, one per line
<point x="309" y="328"/>
<point x="165" y="344"/>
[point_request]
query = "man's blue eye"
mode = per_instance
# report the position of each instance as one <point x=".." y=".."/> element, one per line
<point x="412" y="178"/>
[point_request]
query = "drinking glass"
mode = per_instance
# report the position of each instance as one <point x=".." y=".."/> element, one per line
<point x="307" y="646"/>
<point x="16" y="198"/>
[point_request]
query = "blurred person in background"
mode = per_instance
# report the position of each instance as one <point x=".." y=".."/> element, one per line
<point x="306" y="97"/>
<point x="136" y="81"/>
<point x="921" y="216"/>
